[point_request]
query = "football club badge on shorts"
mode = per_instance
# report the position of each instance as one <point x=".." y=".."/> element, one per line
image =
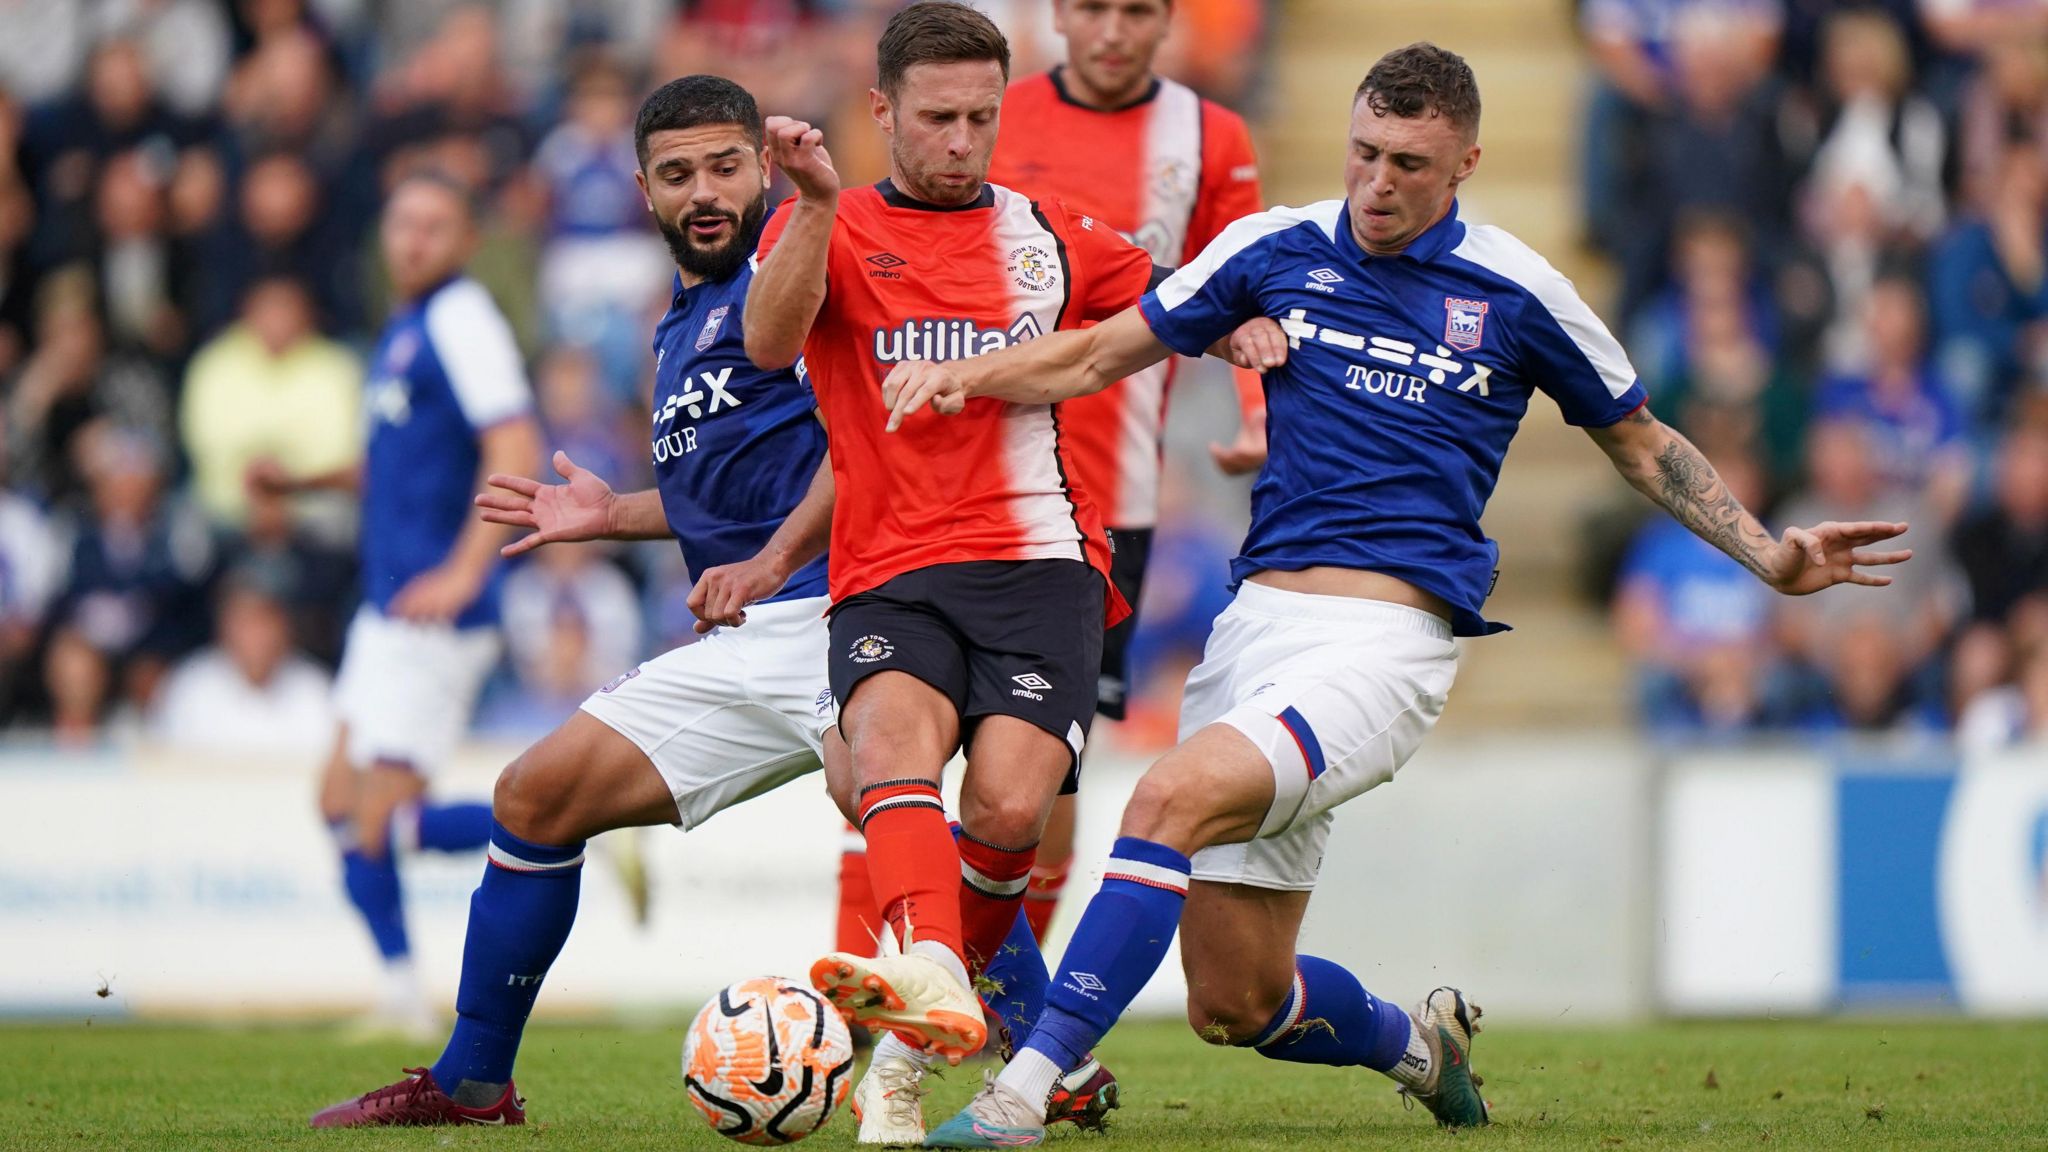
<point x="1464" y="322"/>
<point x="712" y="324"/>
<point x="869" y="649"/>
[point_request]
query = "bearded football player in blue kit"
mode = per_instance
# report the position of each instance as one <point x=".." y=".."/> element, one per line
<point x="742" y="485"/>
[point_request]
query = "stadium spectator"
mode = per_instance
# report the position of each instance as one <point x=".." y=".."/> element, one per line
<point x="17" y="224"/>
<point x="2003" y="553"/>
<point x="1870" y="652"/>
<point x="1985" y="280"/>
<point x="1696" y="625"/>
<point x="249" y="691"/>
<point x="603" y="268"/>
<point x="2005" y="103"/>
<point x="135" y="599"/>
<point x="71" y="380"/>
<point x="1919" y="436"/>
<point x="582" y="416"/>
<point x="68" y="141"/>
<point x="132" y="262"/>
<point x="1640" y="95"/>
<point x="572" y="622"/>
<point x="1876" y="124"/>
<point x="185" y="43"/>
<point x="1973" y="27"/>
<point x="314" y="567"/>
<point x="285" y="232"/>
<point x="269" y="388"/>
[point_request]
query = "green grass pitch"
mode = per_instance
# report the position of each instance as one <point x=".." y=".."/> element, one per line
<point x="1760" y="1085"/>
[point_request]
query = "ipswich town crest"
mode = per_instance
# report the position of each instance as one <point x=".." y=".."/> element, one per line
<point x="1464" y="322"/>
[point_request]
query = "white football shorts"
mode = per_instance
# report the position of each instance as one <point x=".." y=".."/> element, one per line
<point x="1337" y="692"/>
<point x="738" y="713"/>
<point x="406" y="690"/>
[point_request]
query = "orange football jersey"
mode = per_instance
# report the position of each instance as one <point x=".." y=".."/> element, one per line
<point x="910" y="281"/>
<point x="1169" y="171"/>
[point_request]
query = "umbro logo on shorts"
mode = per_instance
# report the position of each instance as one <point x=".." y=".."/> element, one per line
<point x="823" y="704"/>
<point x="869" y="649"/>
<point x="1029" y="685"/>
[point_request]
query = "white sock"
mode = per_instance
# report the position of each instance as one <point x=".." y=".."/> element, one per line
<point x="892" y="1047"/>
<point x="946" y="957"/>
<point x="1031" y="1074"/>
<point x="1415" y="1066"/>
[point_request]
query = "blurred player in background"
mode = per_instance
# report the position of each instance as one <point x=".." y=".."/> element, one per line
<point x="742" y="485"/>
<point x="448" y="403"/>
<point x="1107" y="136"/>
<point x="1413" y="345"/>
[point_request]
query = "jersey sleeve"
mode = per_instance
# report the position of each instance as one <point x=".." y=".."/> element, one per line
<point x="1111" y="272"/>
<point x="1561" y="347"/>
<point x="1230" y="178"/>
<point x="1573" y="358"/>
<point x="477" y="351"/>
<point x="771" y="231"/>
<point x="1213" y="293"/>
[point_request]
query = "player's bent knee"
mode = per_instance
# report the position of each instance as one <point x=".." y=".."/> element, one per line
<point x="1012" y="818"/>
<point x="1233" y="1016"/>
<point x="532" y="801"/>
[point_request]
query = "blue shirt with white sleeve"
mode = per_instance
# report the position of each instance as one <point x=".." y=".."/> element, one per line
<point x="1406" y="378"/>
<point x="735" y="446"/>
<point x="445" y="369"/>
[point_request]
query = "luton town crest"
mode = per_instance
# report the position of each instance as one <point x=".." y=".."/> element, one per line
<point x="1031" y="267"/>
<point x="1464" y="322"/>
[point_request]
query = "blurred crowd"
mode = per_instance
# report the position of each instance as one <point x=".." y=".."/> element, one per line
<point x="1830" y="222"/>
<point x="189" y="285"/>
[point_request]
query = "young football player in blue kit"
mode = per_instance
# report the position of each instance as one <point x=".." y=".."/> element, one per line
<point x="1413" y="344"/>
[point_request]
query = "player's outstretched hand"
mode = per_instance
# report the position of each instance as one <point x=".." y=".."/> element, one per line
<point x="1247" y="453"/>
<point x="1258" y="344"/>
<point x="799" y="150"/>
<point x="914" y="383"/>
<point x="578" y="510"/>
<point x="1807" y="560"/>
<point x="722" y="594"/>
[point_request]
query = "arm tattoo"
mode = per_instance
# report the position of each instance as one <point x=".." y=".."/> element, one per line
<point x="1689" y="488"/>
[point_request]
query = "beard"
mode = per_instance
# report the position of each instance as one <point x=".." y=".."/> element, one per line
<point x="920" y="181"/>
<point x="722" y="260"/>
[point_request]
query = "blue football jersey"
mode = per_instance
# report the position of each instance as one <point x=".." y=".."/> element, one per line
<point x="445" y="369"/>
<point x="1406" y="378"/>
<point x="735" y="446"/>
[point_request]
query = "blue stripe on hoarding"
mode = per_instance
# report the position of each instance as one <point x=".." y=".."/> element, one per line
<point x="1889" y="848"/>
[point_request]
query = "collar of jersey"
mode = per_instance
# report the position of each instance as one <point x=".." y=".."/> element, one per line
<point x="1059" y="87"/>
<point x="895" y="197"/>
<point x="1435" y="240"/>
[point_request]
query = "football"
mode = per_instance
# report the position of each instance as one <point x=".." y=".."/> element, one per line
<point x="767" y="1061"/>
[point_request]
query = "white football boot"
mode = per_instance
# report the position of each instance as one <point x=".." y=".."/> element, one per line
<point x="912" y="995"/>
<point x="889" y="1101"/>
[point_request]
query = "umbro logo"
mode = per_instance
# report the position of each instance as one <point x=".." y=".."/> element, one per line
<point x="1030" y="685"/>
<point x="1086" y="983"/>
<point x="1323" y="280"/>
<point x="885" y="265"/>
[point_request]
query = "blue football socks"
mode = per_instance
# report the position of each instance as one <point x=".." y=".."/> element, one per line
<point x="519" y="919"/>
<point x="1329" y="1018"/>
<point x="372" y="886"/>
<point x="453" y="827"/>
<point x="1017" y="980"/>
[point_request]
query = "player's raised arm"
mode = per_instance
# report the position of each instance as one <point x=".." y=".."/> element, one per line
<point x="1053" y="367"/>
<point x="789" y="286"/>
<point x="1663" y="465"/>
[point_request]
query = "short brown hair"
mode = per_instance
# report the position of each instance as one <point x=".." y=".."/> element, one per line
<point x="936" y="32"/>
<point x="1422" y="80"/>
